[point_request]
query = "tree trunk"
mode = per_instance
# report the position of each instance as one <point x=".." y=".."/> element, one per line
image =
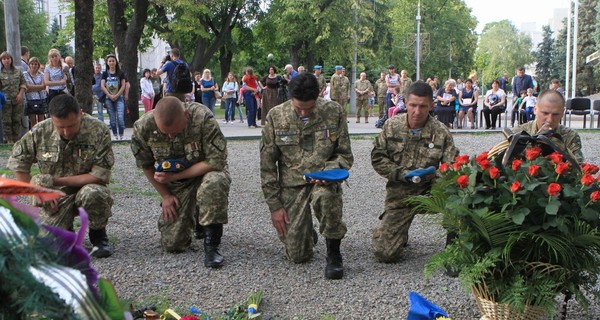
<point x="127" y="39"/>
<point x="84" y="46"/>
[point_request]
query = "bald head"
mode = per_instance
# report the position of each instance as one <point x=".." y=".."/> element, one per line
<point x="169" y="110"/>
<point x="549" y="110"/>
<point x="69" y="61"/>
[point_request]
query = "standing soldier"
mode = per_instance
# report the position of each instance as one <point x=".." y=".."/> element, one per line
<point x="381" y="90"/>
<point x="73" y="152"/>
<point x="190" y="151"/>
<point x="321" y="80"/>
<point x="335" y="85"/>
<point x="405" y="83"/>
<point x="406" y="153"/>
<point x="345" y="90"/>
<point x="362" y="87"/>
<point x="302" y="135"/>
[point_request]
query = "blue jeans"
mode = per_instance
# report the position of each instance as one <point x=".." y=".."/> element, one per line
<point x="230" y="109"/>
<point x="239" y="108"/>
<point x="100" y="107"/>
<point x="209" y="102"/>
<point x="116" y="114"/>
<point x="250" y="107"/>
<point x="388" y="101"/>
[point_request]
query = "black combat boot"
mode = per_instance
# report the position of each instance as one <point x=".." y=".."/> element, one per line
<point x="99" y="239"/>
<point x="212" y="240"/>
<point x="335" y="267"/>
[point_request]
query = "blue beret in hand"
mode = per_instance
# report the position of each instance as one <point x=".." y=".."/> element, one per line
<point x="171" y="166"/>
<point x="417" y="174"/>
<point x="422" y="309"/>
<point x="332" y="175"/>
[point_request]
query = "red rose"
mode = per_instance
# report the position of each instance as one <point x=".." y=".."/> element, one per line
<point x="485" y="164"/>
<point x="534" y="169"/>
<point x="515" y="187"/>
<point x="462" y="159"/>
<point x="553" y="189"/>
<point x="587" y="179"/>
<point x="463" y="181"/>
<point x="444" y="167"/>
<point x="562" y="168"/>
<point x="481" y="157"/>
<point x="494" y="173"/>
<point x="516" y="164"/>
<point x="533" y="153"/>
<point x="590" y="168"/>
<point x="595" y="196"/>
<point x="556" y="157"/>
<point x="456" y="166"/>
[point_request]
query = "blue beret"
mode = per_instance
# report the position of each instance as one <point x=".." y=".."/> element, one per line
<point x="339" y="67"/>
<point x="317" y="67"/>
<point x="171" y="166"/>
<point x="333" y="175"/>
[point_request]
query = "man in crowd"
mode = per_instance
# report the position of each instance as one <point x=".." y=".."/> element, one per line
<point x="305" y="134"/>
<point x="520" y="82"/>
<point x="362" y="87"/>
<point x="406" y="153"/>
<point x="555" y="85"/>
<point x="70" y="62"/>
<point x="183" y="154"/>
<point x="404" y="82"/>
<point x="289" y="72"/>
<point x="549" y="110"/>
<point x="321" y="80"/>
<point x="24" y="58"/>
<point x="98" y="95"/>
<point x="301" y="69"/>
<point x="156" y="86"/>
<point x="168" y="67"/>
<point x="381" y="90"/>
<point x="345" y="89"/>
<point x="74" y="155"/>
<point x="336" y="87"/>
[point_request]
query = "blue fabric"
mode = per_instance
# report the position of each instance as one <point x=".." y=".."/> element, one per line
<point x="116" y="114"/>
<point x="422" y="309"/>
<point x="171" y="165"/>
<point x="250" y="102"/>
<point x="210" y="101"/>
<point x="2" y="100"/>
<point x="420" y="173"/>
<point x="333" y="175"/>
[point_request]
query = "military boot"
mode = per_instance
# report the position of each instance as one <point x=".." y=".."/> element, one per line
<point x="99" y="239"/>
<point x="335" y="267"/>
<point x="212" y="240"/>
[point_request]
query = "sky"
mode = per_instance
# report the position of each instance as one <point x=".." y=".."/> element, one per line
<point x="518" y="11"/>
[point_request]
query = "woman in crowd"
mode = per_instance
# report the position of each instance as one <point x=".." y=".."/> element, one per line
<point x="467" y="98"/>
<point x="209" y="86"/>
<point x="197" y="87"/>
<point x="445" y="108"/>
<point x="230" y="89"/>
<point x="270" y="94"/>
<point x="36" y="103"/>
<point x="493" y="105"/>
<point x="113" y="85"/>
<point x="147" y="90"/>
<point x="55" y="77"/>
<point x="250" y="87"/>
<point x="13" y="87"/>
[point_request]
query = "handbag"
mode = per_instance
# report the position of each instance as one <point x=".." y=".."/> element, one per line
<point x="217" y="94"/>
<point x="37" y="106"/>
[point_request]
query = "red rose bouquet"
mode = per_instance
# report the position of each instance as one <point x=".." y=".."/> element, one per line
<point x="527" y="231"/>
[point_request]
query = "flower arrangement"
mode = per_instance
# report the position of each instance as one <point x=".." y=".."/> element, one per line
<point x="526" y="228"/>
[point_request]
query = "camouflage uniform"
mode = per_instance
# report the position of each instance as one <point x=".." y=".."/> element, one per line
<point x="89" y="152"/>
<point x="381" y="88"/>
<point x="571" y="139"/>
<point x="322" y="84"/>
<point x="404" y="85"/>
<point x="201" y="141"/>
<point x="335" y="85"/>
<point x="289" y="149"/>
<point x="344" y="92"/>
<point x="362" y="100"/>
<point x="12" y="113"/>
<point x="396" y="152"/>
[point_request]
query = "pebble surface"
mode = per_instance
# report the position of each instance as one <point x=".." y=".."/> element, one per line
<point x="141" y="272"/>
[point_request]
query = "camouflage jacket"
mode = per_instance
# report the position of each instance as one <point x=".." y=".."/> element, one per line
<point x="322" y="82"/>
<point x="335" y="85"/>
<point x="404" y="85"/>
<point x="397" y="150"/>
<point x="201" y="140"/>
<point x="90" y="151"/>
<point x="11" y="82"/>
<point x="363" y="85"/>
<point x="381" y="88"/>
<point x="571" y="139"/>
<point x="290" y="148"/>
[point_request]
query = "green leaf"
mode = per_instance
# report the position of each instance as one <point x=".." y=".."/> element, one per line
<point x="518" y="215"/>
<point x="589" y="214"/>
<point x="552" y="207"/>
<point x="109" y="301"/>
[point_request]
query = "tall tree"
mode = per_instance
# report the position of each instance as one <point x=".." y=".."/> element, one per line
<point x="559" y="53"/>
<point x="586" y="45"/>
<point x="84" y="46"/>
<point x="33" y="28"/>
<point x="127" y="38"/>
<point x="544" y="57"/>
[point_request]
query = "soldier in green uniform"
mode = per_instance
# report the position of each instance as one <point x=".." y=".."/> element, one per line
<point x="74" y="154"/>
<point x="362" y="87"/>
<point x="408" y="142"/>
<point x="381" y="90"/>
<point x="321" y="80"/>
<point x="305" y="134"/>
<point x="405" y="82"/>
<point x="13" y="85"/>
<point x="549" y="110"/>
<point x="344" y="90"/>
<point x="185" y="135"/>
<point x="335" y="85"/>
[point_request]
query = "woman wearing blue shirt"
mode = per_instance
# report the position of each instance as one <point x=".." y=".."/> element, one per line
<point x="209" y="86"/>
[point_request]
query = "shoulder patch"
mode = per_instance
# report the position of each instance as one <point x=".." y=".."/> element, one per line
<point x="218" y="141"/>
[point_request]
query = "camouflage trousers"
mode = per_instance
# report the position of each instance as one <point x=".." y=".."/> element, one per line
<point x="381" y="104"/>
<point x="94" y="198"/>
<point x="326" y="203"/>
<point x="391" y="234"/>
<point x="210" y="193"/>
<point x="12" y="121"/>
<point x="343" y="101"/>
<point x="362" y="105"/>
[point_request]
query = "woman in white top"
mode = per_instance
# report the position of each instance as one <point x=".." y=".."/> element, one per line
<point x="147" y="90"/>
<point x="55" y="77"/>
<point x="230" y="89"/>
<point x="37" y="106"/>
<point x="493" y="105"/>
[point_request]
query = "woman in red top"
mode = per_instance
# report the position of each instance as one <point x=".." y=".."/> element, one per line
<point x="250" y="86"/>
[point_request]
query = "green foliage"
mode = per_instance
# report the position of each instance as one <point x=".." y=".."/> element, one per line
<point x="586" y="45"/>
<point x="60" y="41"/>
<point x="33" y="29"/>
<point x="544" y="57"/>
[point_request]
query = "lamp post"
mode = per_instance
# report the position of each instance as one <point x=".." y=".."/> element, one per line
<point x="418" y="50"/>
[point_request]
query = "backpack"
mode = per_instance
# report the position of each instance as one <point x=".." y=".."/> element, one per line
<point x="181" y="78"/>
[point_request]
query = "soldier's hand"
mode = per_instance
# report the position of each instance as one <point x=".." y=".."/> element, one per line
<point x="54" y="205"/>
<point x="280" y="221"/>
<point x="164" y="177"/>
<point x="170" y="204"/>
<point x="319" y="182"/>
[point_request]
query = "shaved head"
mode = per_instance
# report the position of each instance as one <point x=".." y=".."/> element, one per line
<point x="168" y="111"/>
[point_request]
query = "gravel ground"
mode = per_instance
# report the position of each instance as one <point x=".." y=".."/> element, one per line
<point x="142" y="272"/>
